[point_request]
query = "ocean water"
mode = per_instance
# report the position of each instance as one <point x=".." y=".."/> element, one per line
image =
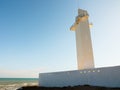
<point x="15" y="83"/>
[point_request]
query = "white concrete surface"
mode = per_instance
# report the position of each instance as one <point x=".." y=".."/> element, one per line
<point x="83" y="41"/>
<point x="108" y="77"/>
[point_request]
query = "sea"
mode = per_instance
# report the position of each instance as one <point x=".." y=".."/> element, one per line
<point x="15" y="83"/>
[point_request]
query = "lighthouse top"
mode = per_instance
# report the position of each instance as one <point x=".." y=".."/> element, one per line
<point x="82" y="13"/>
<point x="82" y="16"/>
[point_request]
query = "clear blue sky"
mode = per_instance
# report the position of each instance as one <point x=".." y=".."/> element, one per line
<point x="35" y="35"/>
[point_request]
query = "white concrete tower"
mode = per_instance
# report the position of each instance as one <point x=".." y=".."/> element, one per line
<point x="83" y="41"/>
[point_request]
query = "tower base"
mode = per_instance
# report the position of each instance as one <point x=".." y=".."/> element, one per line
<point x="107" y="77"/>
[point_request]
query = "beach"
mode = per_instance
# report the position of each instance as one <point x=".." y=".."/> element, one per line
<point x="15" y="83"/>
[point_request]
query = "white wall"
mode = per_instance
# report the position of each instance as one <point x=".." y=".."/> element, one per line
<point x="108" y="77"/>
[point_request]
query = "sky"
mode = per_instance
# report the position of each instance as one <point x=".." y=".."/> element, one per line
<point x="35" y="35"/>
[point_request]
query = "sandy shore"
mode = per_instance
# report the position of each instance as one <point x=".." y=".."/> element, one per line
<point x="85" y="87"/>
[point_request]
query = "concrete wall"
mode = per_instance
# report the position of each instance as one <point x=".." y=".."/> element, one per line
<point x="108" y="77"/>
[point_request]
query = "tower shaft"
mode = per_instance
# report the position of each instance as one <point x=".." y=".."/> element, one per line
<point x="83" y="41"/>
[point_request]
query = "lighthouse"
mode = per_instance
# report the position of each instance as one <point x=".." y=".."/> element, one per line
<point x="86" y="74"/>
<point x="81" y="27"/>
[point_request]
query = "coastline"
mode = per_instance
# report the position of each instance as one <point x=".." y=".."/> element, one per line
<point x="15" y="83"/>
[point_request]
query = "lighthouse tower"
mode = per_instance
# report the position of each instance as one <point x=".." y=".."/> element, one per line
<point x="81" y="27"/>
<point x="86" y="73"/>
